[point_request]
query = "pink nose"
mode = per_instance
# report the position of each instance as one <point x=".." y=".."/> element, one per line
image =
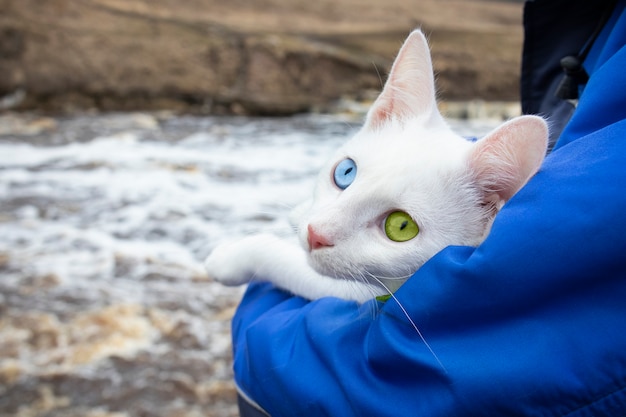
<point x="316" y="240"/>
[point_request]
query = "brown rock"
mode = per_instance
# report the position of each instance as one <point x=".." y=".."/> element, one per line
<point x="261" y="57"/>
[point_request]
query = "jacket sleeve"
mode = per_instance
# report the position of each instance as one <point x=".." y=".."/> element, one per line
<point x="529" y="323"/>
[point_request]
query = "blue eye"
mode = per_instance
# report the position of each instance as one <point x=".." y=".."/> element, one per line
<point x="345" y="172"/>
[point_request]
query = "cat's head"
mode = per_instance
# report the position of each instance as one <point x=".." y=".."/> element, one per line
<point x="406" y="186"/>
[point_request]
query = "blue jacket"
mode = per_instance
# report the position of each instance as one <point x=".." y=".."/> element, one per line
<point x="530" y="323"/>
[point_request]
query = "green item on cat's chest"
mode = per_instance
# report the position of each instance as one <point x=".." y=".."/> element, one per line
<point x="383" y="298"/>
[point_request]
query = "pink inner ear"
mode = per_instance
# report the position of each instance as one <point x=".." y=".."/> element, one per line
<point x="505" y="160"/>
<point x="410" y="88"/>
<point x="380" y="114"/>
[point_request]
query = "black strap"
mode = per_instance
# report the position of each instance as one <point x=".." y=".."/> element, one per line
<point x="575" y="75"/>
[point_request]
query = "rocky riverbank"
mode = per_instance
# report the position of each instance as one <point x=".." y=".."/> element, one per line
<point x="244" y="57"/>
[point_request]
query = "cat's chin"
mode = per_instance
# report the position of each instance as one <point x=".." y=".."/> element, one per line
<point x="323" y="264"/>
<point x="326" y="264"/>
<point x="322" y="269"/>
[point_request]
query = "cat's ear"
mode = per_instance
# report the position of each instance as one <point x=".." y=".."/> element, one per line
<point x="503" y="161"/>
<point x="410" y="87"/>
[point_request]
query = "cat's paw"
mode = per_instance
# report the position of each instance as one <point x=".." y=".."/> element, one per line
<point x="226" y="264"/>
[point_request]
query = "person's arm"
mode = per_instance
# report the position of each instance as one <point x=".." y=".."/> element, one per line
<point x="530" y="322"/>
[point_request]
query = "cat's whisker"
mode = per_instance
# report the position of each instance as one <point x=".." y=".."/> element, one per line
<point x="419" y="333"/>
<point x="380" y="78"/>
<point x="357" y="278"/>
<point x="391" y="278"/>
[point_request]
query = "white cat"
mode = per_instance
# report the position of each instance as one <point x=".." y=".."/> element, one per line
<point x="398" y="192"/>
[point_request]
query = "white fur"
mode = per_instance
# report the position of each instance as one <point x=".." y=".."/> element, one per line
<point x="407" y="159"/>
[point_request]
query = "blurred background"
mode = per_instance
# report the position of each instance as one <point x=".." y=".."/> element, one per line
<point x="135" y="135"/>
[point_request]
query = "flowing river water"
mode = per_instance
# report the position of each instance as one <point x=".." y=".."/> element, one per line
<point x="105" y="219"/>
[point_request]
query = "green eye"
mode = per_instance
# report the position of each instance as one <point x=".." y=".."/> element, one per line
<point x="400" y="227"/>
